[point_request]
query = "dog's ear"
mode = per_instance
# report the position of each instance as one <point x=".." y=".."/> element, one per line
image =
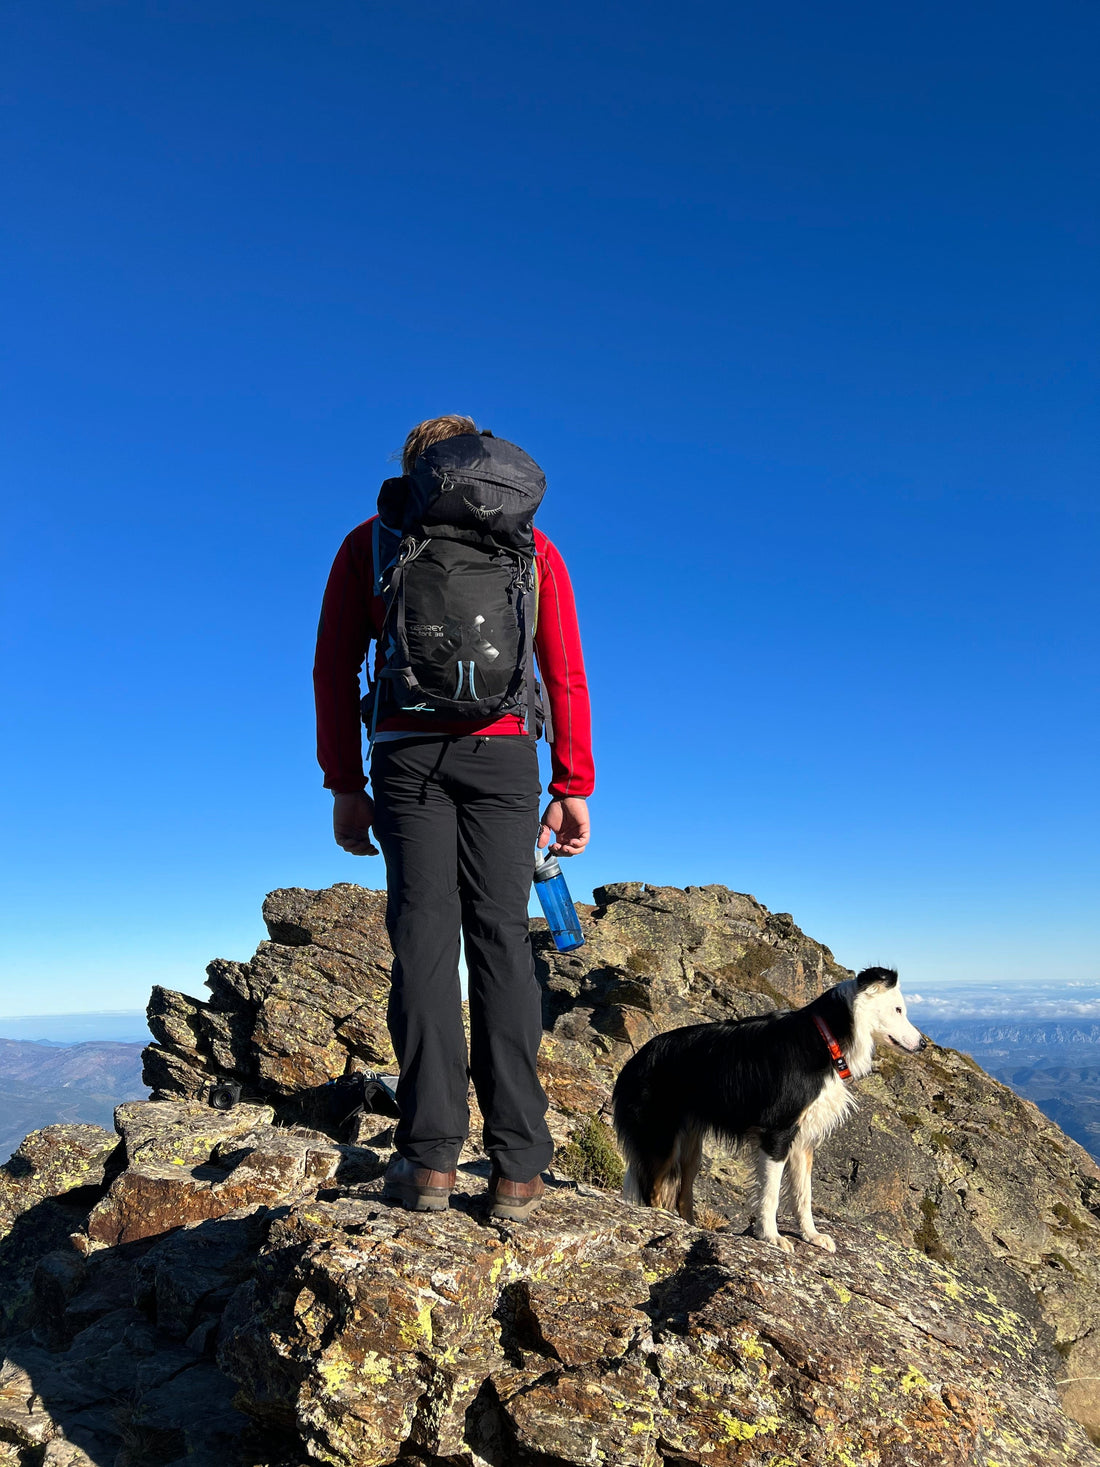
<point x="887" y="977"/>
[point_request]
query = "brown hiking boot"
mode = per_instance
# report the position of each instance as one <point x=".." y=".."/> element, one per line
<point x="416" y="1187"/>
<point x="515" y="1201"/>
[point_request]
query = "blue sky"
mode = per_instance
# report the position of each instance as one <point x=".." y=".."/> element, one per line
<point x="796" y="306"/>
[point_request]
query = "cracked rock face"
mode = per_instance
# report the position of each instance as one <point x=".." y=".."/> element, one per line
<point x="227" y="1287"/>
<point x="599" y="1332"/>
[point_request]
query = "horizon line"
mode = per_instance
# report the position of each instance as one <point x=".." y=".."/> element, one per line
<point x="77" y="1014"/>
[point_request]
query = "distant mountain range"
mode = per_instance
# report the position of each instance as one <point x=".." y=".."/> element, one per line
<point x="1008" y="1035"/>
<point x="43" y="1083"/>
<point x="1054" y="1063"/>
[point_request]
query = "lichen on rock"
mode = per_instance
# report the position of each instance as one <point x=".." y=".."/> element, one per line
<point x="228" y="1288"/>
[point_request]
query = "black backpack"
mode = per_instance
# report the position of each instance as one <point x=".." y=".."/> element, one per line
<point x="454" y="559"/>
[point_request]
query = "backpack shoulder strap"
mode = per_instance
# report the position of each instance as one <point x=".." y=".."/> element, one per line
<point x="384" y="546"/>
<point x="547" y="721"/>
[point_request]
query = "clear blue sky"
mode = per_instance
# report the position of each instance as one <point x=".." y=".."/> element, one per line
<point x="796" y="305"/>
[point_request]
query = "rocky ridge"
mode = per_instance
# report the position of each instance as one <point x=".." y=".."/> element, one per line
<point x="201" y="1286"/>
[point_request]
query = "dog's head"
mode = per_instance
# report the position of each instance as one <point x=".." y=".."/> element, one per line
<point x="879" y="1004"/>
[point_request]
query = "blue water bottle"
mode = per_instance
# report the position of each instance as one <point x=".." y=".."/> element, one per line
<point x="557" y="905"/>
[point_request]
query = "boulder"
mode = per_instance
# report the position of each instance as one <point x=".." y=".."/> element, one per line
<point x="940" y="1156"/>
<point x="55" y="1162"/>
<point x="189" y="1163"/>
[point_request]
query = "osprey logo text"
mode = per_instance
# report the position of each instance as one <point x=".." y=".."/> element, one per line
<point x="427" y="629"/>
<point x="483" y="511"/>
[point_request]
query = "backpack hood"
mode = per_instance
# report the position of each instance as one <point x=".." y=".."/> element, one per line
<point x="473" y="488"/>
<point x="481" y="456"/>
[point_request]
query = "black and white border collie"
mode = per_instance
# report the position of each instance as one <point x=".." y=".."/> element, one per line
<point x="780" y="1082"/>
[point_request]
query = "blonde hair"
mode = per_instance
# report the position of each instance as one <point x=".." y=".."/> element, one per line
<point x="433" y="430"/>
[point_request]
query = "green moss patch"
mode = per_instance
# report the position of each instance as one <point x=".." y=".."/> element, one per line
<point x="747" y="971"/>
<point x="927" y="1237"/>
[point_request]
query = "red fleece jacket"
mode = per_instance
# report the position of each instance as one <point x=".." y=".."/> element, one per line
<point x="351" y="618"/>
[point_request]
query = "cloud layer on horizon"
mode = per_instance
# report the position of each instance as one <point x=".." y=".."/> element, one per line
<point x="1012" y="1006"/>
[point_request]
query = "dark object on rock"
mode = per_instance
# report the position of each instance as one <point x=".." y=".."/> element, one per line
<point x="338" y="1106"/>
<point x="224" y="1096"/>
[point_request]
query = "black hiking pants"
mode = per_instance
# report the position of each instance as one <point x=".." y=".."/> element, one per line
<point x="457" y="819"/>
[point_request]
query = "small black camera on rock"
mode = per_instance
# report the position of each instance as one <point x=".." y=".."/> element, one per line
<point x="224" y="1096"/>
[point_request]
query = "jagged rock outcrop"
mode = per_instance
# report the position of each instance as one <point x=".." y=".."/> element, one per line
<point x="310" y="1005"/>
<point x="226" y="1287"/>
<point x="940" y="1156"/>
<point x="592" y="1335"/>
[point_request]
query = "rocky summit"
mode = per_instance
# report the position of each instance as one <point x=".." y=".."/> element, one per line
<point x="226" y="1287"/>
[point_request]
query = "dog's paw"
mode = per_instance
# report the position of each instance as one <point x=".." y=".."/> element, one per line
<point x="820" y="1240"/>
<point x="783" y="1244"/>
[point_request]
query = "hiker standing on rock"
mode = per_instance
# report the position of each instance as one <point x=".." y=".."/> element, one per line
<point x="461" y="596"/>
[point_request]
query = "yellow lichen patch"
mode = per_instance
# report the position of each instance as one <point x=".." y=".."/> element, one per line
<point x="951" y="1289"/>
<point x="375" y="1367"/>
<point x="1005" y="1322"/>
<point x="419" y="1332"/>
<point x="843" y="1294"/>
<point x="1009" y="1323"/>
<point x="335" y="1373"/>
<point x="913" y="1381"/>
<point x="737" y="1430"/>
<point x="838" y="1454"/>
<point x="750" y="1347"/>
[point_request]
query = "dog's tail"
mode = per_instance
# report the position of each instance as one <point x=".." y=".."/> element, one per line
<point x="648" y="1135"/>
<point x="650" y="1180"/>
<point x="632" y="1192"/>
<point x="640" y="1180"/>
<point x="635" y="1180"/>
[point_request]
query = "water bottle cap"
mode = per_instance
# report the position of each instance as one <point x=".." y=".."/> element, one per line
<point x="546" y="867"/>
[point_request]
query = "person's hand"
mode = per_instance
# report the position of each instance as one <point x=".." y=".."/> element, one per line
<point x="565" y="822"/>
<point x="352" y="818"/>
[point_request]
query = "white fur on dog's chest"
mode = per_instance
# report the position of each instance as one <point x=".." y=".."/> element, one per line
<point x="835" y="1103"/>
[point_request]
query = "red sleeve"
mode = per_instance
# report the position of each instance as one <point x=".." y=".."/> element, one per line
<point x="343" y="636"/>
<point x="561" y="665"/>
